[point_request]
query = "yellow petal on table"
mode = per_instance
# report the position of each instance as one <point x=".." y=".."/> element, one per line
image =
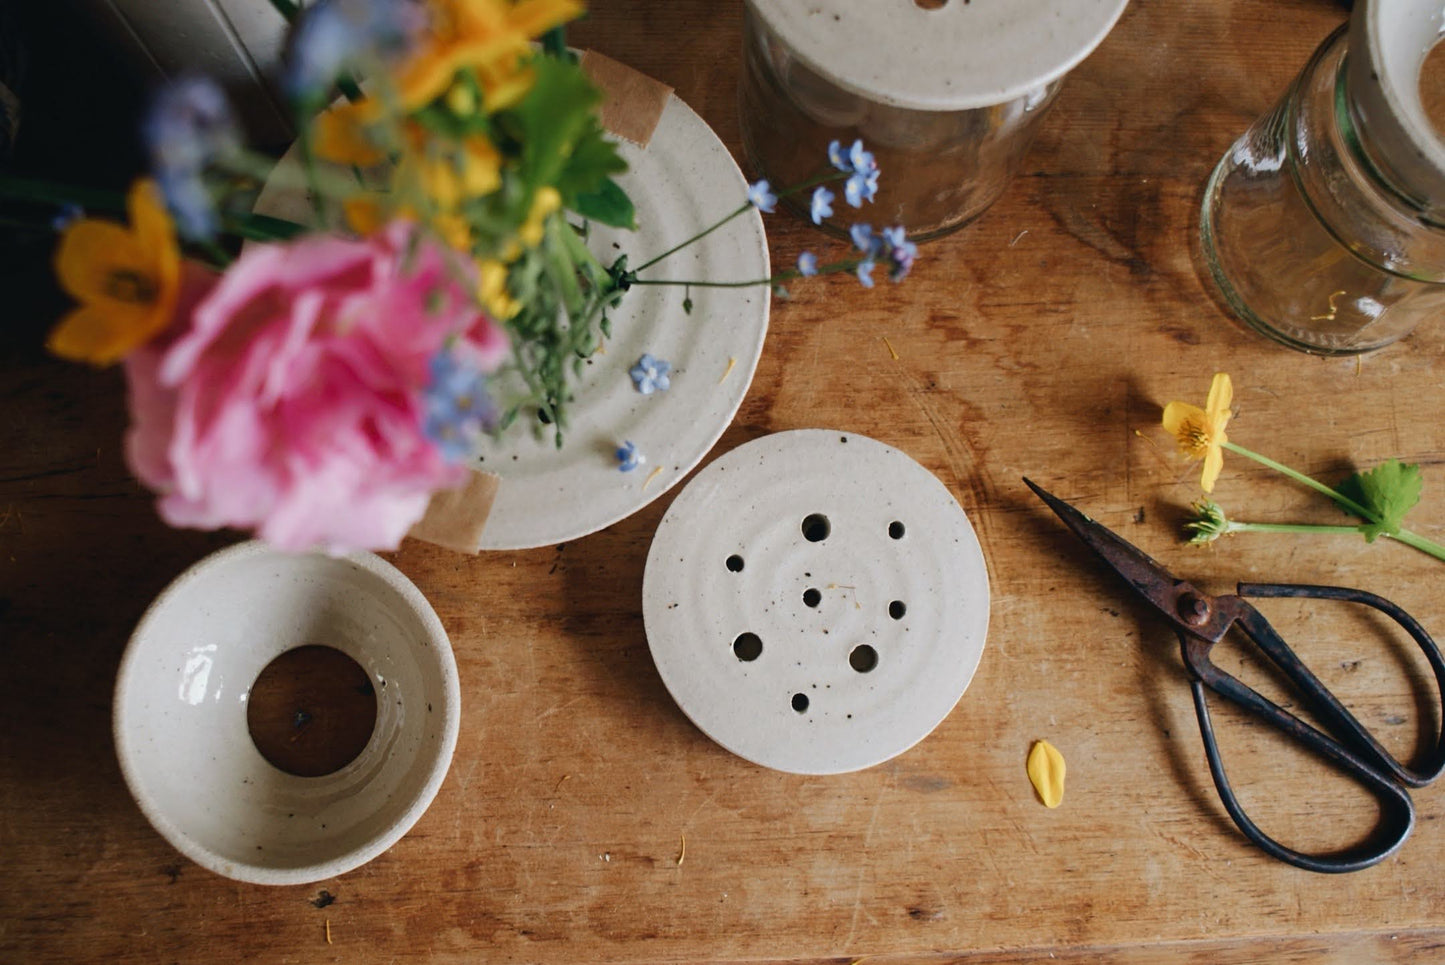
<point x="1046" y="773"/>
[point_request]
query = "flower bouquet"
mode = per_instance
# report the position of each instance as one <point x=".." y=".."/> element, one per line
<point x="321" y="382"/>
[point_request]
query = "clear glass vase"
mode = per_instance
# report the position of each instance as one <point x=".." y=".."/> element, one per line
<point x="1309" y="242"/>
<point x="941" y="168"/>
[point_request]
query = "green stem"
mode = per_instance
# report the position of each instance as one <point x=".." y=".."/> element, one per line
<point x="1419" y="542"/>
<point x="740" y="210"/>
<point x="260" y="227"/>
<point x="1403" y="536"/>
<point x="813" y="182"/>
<point x="784" y="276"/>
<point x="697" y="237"/>
<point x="51" y="192"/>
<point x="554" y="42"/>
<point x="788" y="275"/>
<point x="1301" y="478"/>
<point x="288" y="9"/>
<point x="1238" y="526"/>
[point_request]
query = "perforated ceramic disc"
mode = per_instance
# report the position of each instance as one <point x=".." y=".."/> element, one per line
<point x="816" y="601"/>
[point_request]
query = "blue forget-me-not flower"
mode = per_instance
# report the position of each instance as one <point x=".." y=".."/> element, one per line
<point x="822" y="206"/>
<point x="650" y="374"/>
<point x="458" y="408"/>
<point x="761" y="196"/>
<point x="629" y="457"/>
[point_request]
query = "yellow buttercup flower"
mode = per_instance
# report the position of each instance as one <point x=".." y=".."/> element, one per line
<point x="1200" y="432"/>
<point x="492" y="290"/>
<point x="546" y="201"/>
<point x="126" y="280"/>
<point x="491" y="37"/>
<point x="444" y="174"/>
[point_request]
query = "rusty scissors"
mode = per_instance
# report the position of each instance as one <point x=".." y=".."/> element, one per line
<point x="1201" y="621"/>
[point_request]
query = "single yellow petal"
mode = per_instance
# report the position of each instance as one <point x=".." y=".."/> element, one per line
<point x="1221" y="396"/>
<point x="1182" y="419"/>
<point x="155" y="234"/>
<point x="1213" y="462"/>
<point x="1046" y="773"/>
<point x="103" y="334"/>
<point x="507" y="90"/>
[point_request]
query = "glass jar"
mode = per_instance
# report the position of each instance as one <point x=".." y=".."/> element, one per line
<point x="947" y="96"/>
<point x="1307" y="238"/>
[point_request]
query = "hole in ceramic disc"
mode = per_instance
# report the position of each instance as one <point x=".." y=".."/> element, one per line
<point x="812" y="597"/>
<point x="735" y="563"/>
<point x="816" y="528"/>
<point x="895" y="530"/>
<point x="863" y="658"/>
<point x="311" y="711"/>
<point x="896" y="609"/>
<point x="748" y="646"/>
<point x="800" y="702"/>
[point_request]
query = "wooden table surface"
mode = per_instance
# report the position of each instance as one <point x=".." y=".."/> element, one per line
<point x="1041" y="340"/>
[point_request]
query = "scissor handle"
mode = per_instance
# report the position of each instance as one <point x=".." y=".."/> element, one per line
<point x="1397" y="820"/>
<point x="1352" y="748"/>
<point x="1339" y="720"/>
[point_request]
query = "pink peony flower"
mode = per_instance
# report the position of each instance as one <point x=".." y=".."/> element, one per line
<point x="292" y="402"/>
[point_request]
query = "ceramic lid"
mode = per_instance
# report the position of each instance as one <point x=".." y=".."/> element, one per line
<point x="940" y="54"/>
<point x="1389" y="41"/>
<point x="815" y="601"/>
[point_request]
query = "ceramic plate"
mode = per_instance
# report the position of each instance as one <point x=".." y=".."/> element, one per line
<point x="682" y="182"/>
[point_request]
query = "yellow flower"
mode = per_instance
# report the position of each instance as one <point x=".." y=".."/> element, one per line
<point x="126" y="280"/>
<point x="445" y="174"/>
<point x="546" y="200"/>
<point x="341" y="134"/>
<point x="491" y="37"/>
<point x="492" y="289"/>
<point x="1200" y="432"/>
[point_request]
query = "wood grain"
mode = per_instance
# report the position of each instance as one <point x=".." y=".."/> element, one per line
<point x="1041" y="340"/>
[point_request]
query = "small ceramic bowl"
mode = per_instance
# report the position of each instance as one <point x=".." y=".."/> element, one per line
<point x="181" y="728"/>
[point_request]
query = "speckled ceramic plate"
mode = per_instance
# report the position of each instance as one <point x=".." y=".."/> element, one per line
<point x="682" y="182"/>
<point x="816" y="601"/>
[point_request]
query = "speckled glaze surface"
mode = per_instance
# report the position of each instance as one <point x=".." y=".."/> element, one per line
<point x="180" y="712"/>
<point x="681" y="183"/>
<point x="940" y="57"/>
<point x="816" y="601"/>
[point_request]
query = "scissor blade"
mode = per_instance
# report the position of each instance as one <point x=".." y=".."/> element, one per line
<point x="1150" y="580"/>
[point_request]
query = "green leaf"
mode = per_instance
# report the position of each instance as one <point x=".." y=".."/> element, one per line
<point x="594" y="156"/>
<point x="1388" y="491"/>
<point x="552" y="119"/>
<point x="609" y="205"/>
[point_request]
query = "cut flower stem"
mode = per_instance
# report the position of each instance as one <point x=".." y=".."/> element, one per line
<point x="1405" y="536"/>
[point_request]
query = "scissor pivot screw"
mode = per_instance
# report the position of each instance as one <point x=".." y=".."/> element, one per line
<point x="1193" y="609"/>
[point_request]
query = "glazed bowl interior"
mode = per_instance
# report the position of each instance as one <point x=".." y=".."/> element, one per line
<point x="181" y="726"/>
